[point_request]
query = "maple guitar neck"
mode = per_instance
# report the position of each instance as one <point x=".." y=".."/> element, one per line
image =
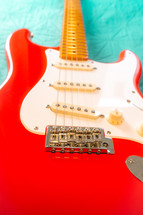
<point x="73" y="40"/>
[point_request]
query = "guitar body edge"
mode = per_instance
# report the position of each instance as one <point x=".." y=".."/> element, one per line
<point x="35" y="182"/>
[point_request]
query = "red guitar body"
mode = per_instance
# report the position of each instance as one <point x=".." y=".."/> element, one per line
<point x="33" y="181"/>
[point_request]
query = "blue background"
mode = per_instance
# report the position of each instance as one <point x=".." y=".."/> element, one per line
<point x="111" y="26"/>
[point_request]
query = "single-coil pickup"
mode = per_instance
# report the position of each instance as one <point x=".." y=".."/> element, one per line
<point x="75" y="65"/>
<point x="75" y="110"/>
<point x="62" y="85"/>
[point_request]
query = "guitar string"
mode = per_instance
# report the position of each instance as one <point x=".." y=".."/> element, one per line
<point x="58" y="91"/>
<point x="77" y="69"/>
<point x="57" y="102"/>
<point x="67" y="17"/>
<point x="66" y="75"/>
<point x="66" y="59"/>
<point x="59" y="78"/>
<point x="72" y="94"/>
<point x="79" y="78"/>
<point x="68" y="6"/>
<point x="75" y="32"/>
<point x="69" y="21"/>
<point x="85" y="90"/>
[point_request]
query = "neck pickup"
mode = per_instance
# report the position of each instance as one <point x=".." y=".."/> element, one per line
<point x="75" y="66"/>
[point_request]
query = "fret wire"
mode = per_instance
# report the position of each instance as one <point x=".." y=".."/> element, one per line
<point x="74" y="31"/>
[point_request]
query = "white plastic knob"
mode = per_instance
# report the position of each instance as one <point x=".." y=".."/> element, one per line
<point x="140" y="130"/>
<point x="115" y="117"/>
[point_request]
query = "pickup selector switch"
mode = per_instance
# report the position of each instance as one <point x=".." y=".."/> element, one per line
<point x="140" y="130"/>
<point x="115" y="117"/>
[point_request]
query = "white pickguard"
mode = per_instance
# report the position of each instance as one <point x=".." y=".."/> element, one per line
<point x="116" y="83"/>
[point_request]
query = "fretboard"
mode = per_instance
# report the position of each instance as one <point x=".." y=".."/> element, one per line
<point x="73" y="40"/>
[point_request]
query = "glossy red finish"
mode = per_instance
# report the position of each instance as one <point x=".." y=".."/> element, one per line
<point x="33" y="181"/>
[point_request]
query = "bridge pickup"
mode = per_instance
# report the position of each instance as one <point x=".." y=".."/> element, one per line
<point x="75" y="110"/>
<point x="62" y="85"/>
<point x="78" y="139"/>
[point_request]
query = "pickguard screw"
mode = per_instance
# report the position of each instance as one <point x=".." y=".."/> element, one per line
<point x="108" y="132"/>
<point x="98" y="88"/>
<point x="93" y="111"/>
<point x="48" y="106"/>
<point x="78" y="108"/>
<point x="36" y="128"/>
<point x="50" y="85"/>
<point x="129" y="101"/>
<point x="133" y="91"/>
<point x="43" y="80"/>
<point x="59" y="83"/>
<point x="72" y="107"/>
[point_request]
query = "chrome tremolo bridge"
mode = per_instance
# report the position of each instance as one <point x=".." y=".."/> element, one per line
<point x="78" y="139"/>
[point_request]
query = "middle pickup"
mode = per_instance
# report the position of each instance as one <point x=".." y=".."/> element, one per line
<point x="66" y="85"/>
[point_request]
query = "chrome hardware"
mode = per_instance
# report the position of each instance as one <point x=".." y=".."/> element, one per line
<point x="135" y="165"/>
<point x="36" y="128"/>
<point x="78" y="139"/>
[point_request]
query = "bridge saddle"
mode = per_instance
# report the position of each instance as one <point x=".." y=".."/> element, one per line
<point x="78" y="139"/>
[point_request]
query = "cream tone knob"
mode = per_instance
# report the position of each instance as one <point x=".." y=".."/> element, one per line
<point x="115" y="117"/>
<point x="140" y="130"/>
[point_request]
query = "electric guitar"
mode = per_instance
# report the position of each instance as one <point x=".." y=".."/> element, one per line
<point x="71" y="129"/>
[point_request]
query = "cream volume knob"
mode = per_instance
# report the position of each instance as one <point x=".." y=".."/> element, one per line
<point x="115" y="117"/>
<point x="140" y="130"/>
